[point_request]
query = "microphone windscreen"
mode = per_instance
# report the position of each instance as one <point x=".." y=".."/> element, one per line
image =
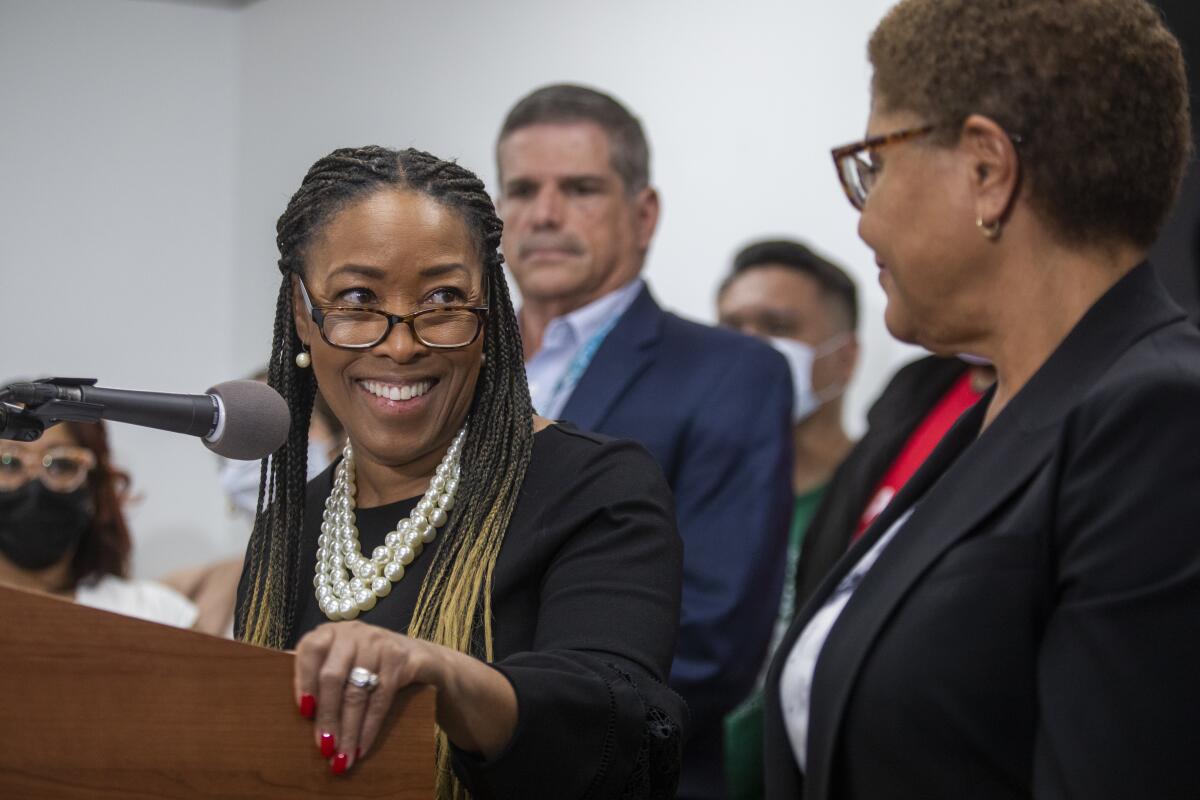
<point x="256" y="420"/>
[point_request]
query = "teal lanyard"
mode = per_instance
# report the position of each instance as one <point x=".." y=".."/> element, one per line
<point x="574" y="372"/>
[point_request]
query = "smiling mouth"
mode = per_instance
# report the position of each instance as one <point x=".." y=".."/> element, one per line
<point x="398" y="392"/>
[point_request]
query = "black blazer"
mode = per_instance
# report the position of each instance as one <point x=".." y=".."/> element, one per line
<point x="1032" y="630"/>
<point x="904" y="403"/>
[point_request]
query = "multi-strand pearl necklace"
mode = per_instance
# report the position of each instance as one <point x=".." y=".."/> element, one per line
<point x="347" y="582"/>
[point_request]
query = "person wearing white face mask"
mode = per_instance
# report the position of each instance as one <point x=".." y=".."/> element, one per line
<point x="807" y="308"/>
<point x="213" y="587"/>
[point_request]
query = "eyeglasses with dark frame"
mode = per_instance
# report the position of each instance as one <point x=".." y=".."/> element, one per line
<point x="858" y="174"/>
<point x="359" y="328"/>
<point x="60" y="469"/>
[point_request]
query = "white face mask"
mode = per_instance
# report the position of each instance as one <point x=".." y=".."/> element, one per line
<point x="800" y="358"/>
<point x="239" y="479"/>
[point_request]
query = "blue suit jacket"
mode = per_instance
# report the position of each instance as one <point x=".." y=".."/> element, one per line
<point x="714" y="408"/>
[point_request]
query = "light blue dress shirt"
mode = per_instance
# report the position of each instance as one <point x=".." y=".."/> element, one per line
<point x="564" y="340"/>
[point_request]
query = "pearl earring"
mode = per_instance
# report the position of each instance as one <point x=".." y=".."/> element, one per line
<point x="303" y="359"/>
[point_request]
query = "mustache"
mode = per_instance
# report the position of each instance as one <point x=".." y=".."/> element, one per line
<point x="551" y="241"/>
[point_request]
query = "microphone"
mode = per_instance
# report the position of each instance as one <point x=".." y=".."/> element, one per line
<point x="237" y="419"/>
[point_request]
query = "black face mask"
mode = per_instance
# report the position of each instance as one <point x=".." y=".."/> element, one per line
<point x="38" y="527"/>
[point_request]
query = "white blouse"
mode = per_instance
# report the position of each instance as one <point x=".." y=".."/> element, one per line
<point x="795" y="682"/>
<point x="146" y="600"/>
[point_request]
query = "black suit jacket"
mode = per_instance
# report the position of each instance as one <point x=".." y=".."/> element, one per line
<point x="1032" y="630"/>
<point x="904" y="403"/>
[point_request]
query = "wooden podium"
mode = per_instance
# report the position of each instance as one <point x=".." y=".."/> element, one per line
<point x="97" y="705"/>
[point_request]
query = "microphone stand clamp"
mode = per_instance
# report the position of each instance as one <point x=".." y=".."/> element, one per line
<point x="42" y="404"/>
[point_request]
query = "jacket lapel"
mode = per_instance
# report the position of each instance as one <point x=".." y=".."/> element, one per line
<point x="777" y="744"/>
<point x="953" y="502"/>
<point x="964" y="480"/>
<point x="624" y="354"/>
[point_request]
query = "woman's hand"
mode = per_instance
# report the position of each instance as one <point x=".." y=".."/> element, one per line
<point x="476" y="705"/>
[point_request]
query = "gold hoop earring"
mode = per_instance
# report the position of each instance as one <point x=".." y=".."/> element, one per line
<point x="991" y="230"/>
<point x="303" y="359"/>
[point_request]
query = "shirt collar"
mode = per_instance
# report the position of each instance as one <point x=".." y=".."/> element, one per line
<point x="586" y="321"/>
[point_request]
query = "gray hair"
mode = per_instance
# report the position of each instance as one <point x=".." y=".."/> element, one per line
<point x="564" y="103"/>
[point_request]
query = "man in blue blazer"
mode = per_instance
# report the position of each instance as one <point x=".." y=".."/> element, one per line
<point x="713" y="406"/>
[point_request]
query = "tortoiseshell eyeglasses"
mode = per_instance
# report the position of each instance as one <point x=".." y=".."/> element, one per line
<point x="361" y="328"/>
<point x="856" y="170"/>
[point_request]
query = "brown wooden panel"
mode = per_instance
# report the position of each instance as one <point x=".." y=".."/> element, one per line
<point x="97" y="705"/>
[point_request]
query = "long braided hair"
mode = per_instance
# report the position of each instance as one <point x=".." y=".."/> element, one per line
<point x="453" y="606"/>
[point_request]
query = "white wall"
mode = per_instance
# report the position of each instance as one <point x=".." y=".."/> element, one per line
<point x="116" y="228"/>
<point x="148" y="148"/>
<point x="742" y="103"/>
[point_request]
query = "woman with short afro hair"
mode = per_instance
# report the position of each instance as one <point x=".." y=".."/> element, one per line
<point x="1020" y="621"/>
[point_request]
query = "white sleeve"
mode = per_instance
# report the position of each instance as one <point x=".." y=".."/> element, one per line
<point x="146" y="600"/>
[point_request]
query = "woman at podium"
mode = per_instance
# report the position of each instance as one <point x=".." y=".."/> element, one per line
<point x="527" y="570"/>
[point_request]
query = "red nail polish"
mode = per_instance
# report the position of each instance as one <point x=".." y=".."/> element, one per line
<point x="327" y="745"/>
<point x="339" y="764"/>
<point x="308" y="706"/>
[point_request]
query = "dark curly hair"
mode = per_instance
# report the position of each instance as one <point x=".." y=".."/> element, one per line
<point x="1096" y="90"/>
<point x="454" y="603"/>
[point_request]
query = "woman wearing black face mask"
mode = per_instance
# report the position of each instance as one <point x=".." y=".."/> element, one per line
<point x="62" y="530"/>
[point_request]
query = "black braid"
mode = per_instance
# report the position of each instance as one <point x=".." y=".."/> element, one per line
<point x="274" y="549"/>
